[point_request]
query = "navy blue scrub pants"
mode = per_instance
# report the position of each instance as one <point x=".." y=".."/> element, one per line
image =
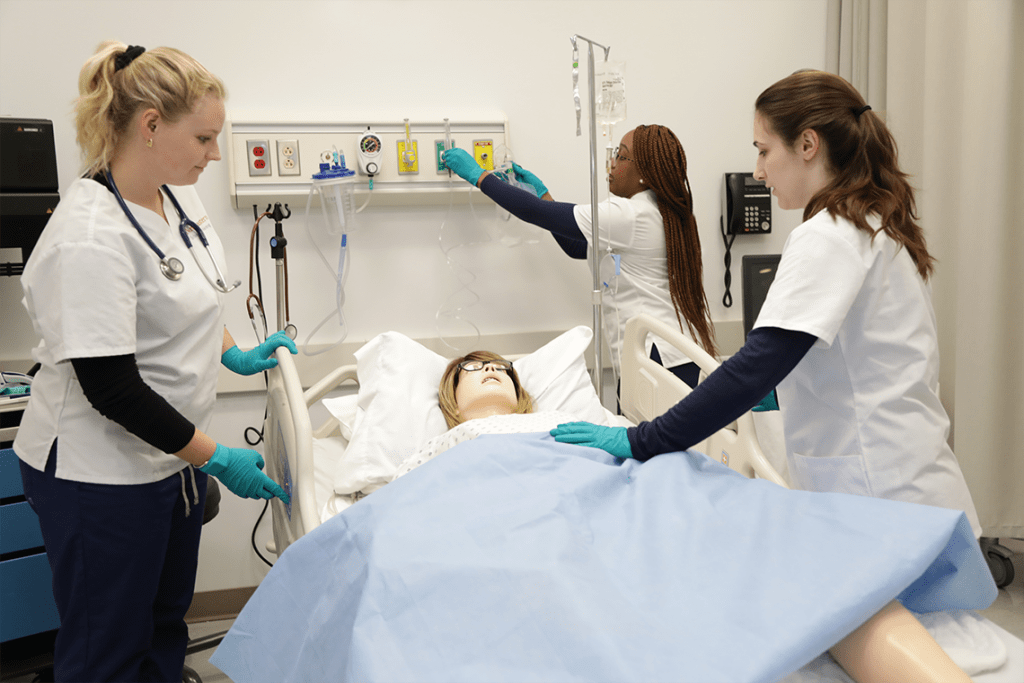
<point x="124" y="560"/>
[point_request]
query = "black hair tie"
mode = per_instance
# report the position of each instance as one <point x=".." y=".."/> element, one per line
<point x="859" y="111"/>
<point x="127" y="57"/>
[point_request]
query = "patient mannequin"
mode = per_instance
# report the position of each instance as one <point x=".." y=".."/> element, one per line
<point x="890" y="646"/>
<point x="481" y="384"/>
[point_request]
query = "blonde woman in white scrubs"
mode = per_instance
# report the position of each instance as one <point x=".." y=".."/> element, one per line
<point x="847" y="331"/>
<point x="131" y="342"/>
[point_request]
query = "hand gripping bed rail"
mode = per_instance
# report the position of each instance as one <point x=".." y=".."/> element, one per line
<point x="648" y="390"/>
<point x="288" y="443"/>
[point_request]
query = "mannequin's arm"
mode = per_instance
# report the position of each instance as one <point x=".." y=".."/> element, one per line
<point x="894" y="646"/>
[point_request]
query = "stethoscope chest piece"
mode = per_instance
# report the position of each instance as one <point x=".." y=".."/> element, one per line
<point x="172" y="268"/>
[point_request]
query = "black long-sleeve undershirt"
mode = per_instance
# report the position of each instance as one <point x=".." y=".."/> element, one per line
<point x="114" y="387"/>
<point x="555" y="217"/>
<point x="769" y="354"/>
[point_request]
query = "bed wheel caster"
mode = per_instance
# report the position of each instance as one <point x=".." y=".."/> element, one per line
<point x="999" y="561"/>
<point x="189" y="675"/>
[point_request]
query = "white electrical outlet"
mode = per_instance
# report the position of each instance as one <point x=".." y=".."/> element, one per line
<point x="288" y="157"/>
<point x="259" y="157"/>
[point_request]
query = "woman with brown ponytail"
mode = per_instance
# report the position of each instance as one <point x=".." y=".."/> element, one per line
<point x="648" y="227"/>
<point x="847" y="331"/>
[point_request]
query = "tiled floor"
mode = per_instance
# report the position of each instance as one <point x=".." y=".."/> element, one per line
<point x="1007" y="611"/>
<point x="200" y="660"/>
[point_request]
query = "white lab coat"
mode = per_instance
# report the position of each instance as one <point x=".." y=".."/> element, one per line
<point x="94" y="288"/>
<point x="861" y="410"/>
<point x="634" y="230"/>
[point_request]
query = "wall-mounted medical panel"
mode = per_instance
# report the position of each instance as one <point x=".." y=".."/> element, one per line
<point x="275" y="161"/>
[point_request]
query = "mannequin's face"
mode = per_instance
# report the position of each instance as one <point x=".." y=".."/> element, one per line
<point x="489" y="390"/>
<point x="623" y="177"/>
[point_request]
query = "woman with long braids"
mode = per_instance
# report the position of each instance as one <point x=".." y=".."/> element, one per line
<point x="650" y="230"/>
<point x="847" y="331"/>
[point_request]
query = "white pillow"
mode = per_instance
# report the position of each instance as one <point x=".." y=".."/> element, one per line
<point x="398" y="380"/>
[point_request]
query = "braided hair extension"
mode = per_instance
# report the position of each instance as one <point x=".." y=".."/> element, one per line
<point x="660" y="158"/>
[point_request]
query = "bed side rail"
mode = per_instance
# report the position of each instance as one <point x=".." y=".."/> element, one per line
<point x="288" y="442"/>
<point x="648" y="390"/>
<point x="329" y="383"/>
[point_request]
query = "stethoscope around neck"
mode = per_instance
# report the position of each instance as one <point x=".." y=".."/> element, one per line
<point x="172" y="268"/>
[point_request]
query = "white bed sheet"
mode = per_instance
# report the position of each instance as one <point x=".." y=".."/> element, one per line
<point x="984" y="650"/>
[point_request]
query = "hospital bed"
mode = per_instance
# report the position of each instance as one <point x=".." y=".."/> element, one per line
<point x="301" y="623"/>
<point x="647" y="390"/>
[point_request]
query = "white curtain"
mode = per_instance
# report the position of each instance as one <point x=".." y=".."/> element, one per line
<point x="949" y="77"/>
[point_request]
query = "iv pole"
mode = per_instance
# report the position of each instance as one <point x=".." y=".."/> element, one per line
<point x="594" y="255"/>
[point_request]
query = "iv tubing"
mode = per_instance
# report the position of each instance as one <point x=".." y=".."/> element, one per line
<point x="339" y="289"/>
<point x="455" y="312"/>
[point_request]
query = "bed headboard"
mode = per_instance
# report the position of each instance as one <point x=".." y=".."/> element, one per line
<point x="648" y="390"/>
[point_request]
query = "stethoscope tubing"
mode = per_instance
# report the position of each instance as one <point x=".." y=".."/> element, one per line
<point x="172" y="268"/>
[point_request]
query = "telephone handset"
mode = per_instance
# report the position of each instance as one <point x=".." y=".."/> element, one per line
<point x="746" y="205"/>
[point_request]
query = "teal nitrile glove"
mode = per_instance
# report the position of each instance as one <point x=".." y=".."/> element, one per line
<point x="611" y="439"/>
<point x="767" y="403"/>
<point x="241" y="470"/>
<point x="462" y="164"/>
<point x="259" y="359"/>
<point x="524" y="176"/>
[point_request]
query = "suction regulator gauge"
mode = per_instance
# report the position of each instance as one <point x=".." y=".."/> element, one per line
<point x="370" y="149"/>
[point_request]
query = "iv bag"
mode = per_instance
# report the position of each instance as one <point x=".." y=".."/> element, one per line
<point x="610" y="84"/>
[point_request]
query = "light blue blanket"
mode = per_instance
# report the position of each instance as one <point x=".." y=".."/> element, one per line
<point x="516" y="558"/>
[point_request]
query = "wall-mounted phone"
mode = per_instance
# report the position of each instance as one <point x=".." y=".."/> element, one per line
<point x="746" y="205"/>
<point x="746" y="210"/>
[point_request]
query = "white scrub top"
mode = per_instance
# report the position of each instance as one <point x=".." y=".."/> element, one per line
<point x="634" y="230"/>
<point x="94" y="288"/>
<point x="861" y="410"/>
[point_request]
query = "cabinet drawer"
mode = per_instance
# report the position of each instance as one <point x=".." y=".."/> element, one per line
<point x="27" y="597"/>
<point x="10" y="474"/>
<point x="19" y="528"/>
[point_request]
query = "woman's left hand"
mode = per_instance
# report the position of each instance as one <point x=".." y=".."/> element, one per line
<point x="257" y="359"/>
<point x="612" y="439"/>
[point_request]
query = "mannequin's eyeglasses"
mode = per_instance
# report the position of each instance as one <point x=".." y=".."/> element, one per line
<point x="475" y="365"/>
<point x="618" y="156"/>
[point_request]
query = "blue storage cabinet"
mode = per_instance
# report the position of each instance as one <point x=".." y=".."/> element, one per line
<point x="26" y="595"/>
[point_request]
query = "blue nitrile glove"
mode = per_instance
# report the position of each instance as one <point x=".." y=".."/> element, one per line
<point x="462" y="164"/>
<point x="767" y="403"/>
<point x="524" y="176"/>
<point x="259" y="359"/>
<point x="611" y="439"/>
<point x="241" y="470"/>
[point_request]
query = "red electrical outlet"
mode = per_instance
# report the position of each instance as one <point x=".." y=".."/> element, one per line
<point x="259" y="157"/>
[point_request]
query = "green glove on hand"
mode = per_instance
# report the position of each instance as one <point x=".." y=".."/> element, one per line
<point x="612" y="439"/>
<point x="241" y="470"/>
<point x="462" y="164"/>
<point x="524" y="176"/>
<point x="769" y="402"/>
<point x="256" y="360"/>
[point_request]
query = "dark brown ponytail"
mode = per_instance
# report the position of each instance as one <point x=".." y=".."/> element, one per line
<point x="861" y="155"/>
